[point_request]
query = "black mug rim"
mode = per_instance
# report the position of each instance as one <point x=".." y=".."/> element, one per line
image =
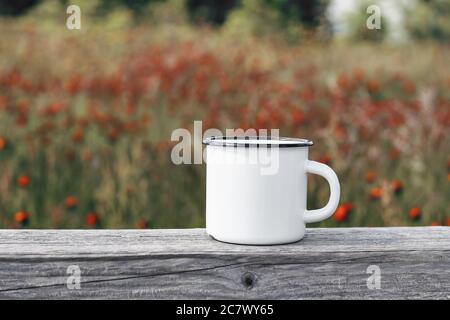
<point x="256" y="141"/>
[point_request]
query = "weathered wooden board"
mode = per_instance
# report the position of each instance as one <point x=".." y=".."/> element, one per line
<point x="328" y="263"/>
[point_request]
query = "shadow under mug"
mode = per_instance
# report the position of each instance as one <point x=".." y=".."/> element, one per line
<point x="256" y="189"/>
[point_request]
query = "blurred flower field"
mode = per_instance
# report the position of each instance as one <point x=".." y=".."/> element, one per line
<point x="86" y="120"/>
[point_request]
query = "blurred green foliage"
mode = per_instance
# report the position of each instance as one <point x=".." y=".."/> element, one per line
<point x="253" y="18"/>
<point x="429" y="19"/>
<point x="290" y="19"/>
<point x="16" y="7"/>
<point x="210" y="11"/>
<point x="136" y="6"/>
<point x="306" y="12"/>
<point x="268" y="18"/>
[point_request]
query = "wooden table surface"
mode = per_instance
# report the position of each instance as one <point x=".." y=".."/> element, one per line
<point x="329" y="263"/>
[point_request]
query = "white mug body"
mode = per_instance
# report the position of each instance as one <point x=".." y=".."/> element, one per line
<point x="246" y="203"/>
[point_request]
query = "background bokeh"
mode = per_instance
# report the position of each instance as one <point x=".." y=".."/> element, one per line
<point x="86" y="115"/>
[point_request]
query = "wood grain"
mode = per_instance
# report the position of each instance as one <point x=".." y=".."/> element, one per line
<point x="329" y="263"/>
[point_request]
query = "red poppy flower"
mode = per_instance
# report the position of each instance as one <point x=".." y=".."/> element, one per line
<point x="23" y="181"/>
<point x="370" y="176"/>
<point x="78" y="136"/>
<point x="54" y="108"/>
<point x="342" y="81"/>
<point x="3" y="143"/>
<point x="414" y="213"/>
<point x="358" y="75"/>
<point x="70" y="202"/>
<point x="113" y="134"/>
<point x="297" y="116"/>
<point x="394" y="154"/>
<point x="373" y="86"/>
<point x="92" y="219"/>
<point x="142" y="223"/>
<point x="21" y="120"/>
<point x="342" y="212"/>
<point x="408" y="87"/>
<point x="375" y="193"/>
<point x="447" y="221"/>
<point x="340" y="132"/>
<point x="397" y="186"/>
<point x="21" y="217"/>
<point x="325" y="159"/>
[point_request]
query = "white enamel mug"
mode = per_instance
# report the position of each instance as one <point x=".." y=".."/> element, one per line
<point x="256" y="189"/>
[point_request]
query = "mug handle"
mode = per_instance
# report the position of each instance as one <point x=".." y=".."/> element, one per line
<point x="335" y="191"/>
